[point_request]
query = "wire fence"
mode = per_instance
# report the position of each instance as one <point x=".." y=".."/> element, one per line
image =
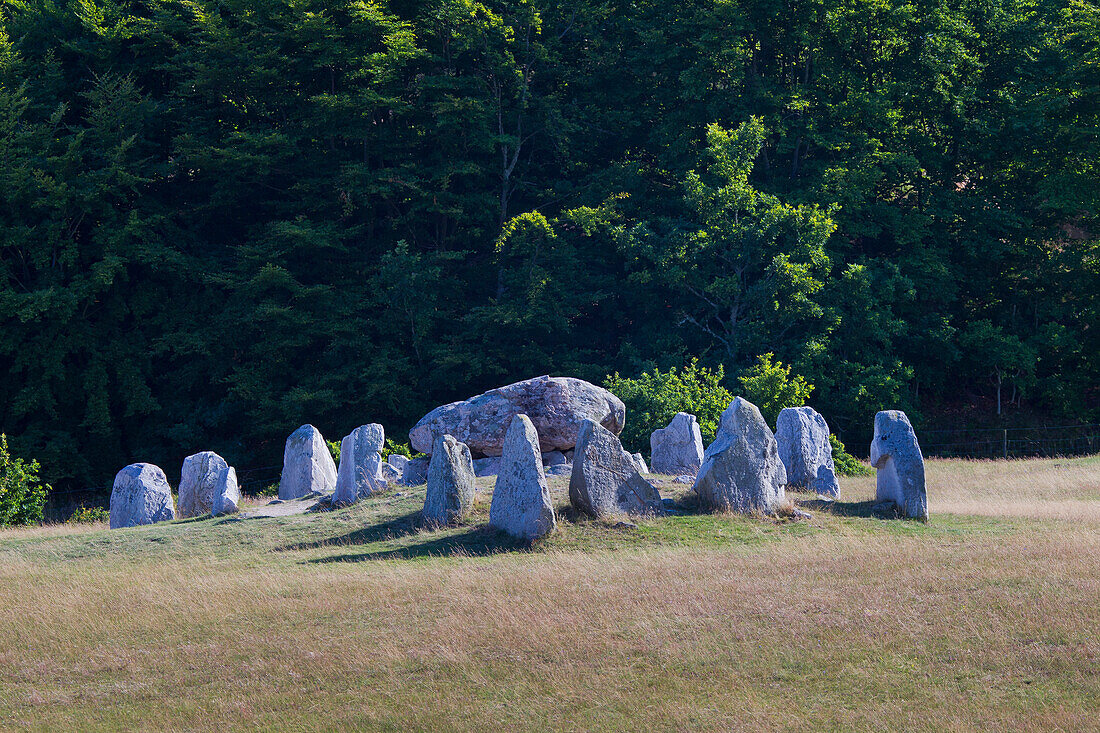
<point x="1037" y="442"/>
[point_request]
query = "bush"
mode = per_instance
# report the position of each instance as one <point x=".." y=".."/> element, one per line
<point x="89" y="515"/>
<point x="334" y="449"/>
<point x="770" y="386"/>
<point x="22" y="494"/>
<point x="847" y="464"/>
<point x="394" y="448"/>
<point x="654" y="398"/>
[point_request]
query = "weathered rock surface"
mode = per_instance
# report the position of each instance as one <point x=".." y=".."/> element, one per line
<point x="553" y="458"/>
<point x="227" y="494"/>
<point x="398" y="461"/>
<point x="804" y="448"/>
<point x="559" y="469"/>
<point x="605" y="480"/>
<point x="555" y="405"/>
<point x="141" y="495"/>
<point x="197" y="480"/>
<point x="899" y="464"/>
<point x="521" y="500"/>
<point x="389" y="473"/>
<point x="639" y="463"/>
<point x="487" y="466"/>
<point x="415" y="473"/>
<point x="307" y="465"/>
<point x="741" y="469"/>
<point x="360" y="472"/>
<point x="677" y="449"/>
<point x="450" y="482"/>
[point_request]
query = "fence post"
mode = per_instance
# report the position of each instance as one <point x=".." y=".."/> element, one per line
<point x="1005" y="443"/>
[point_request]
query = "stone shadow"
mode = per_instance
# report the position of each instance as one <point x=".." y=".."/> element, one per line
<point x="471" y="541"/>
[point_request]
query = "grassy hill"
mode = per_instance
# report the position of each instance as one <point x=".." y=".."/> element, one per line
<point x="984" y="618"/>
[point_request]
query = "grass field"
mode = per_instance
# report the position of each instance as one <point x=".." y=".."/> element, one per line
<point x="987" y="617"/>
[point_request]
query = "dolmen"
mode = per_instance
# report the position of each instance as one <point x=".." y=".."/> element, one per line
<point x="741" y="470"/>
<point x="199" y="483"/>
<point x="807" y="454"/>
<point x="360" y="472"/>
<point x="141" y="495"/>
<point x="605" y="480"/>
<point x="307" y="465"/>
<point x="521" y="503"/>
<point x="451" y="482"/>
<point x="899" y="465"/>
<point x="554" y="405"/>
<point x="677" y="449"/>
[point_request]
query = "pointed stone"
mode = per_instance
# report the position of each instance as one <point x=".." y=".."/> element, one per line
<point x="227" y="494"/>
<point x="521" y="499"/>
<point x="605" y="480"/>
<point x="741" y="470"/>
<point x="307" y="465"/>
<point x="450" y="482"/>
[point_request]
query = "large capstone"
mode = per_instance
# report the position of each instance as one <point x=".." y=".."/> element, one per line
<point x="741" y="470"/>
<point x="197" y="483"/>
<point x="521" y="499"/>
<point x="141" y="495"/>
<point x="677" y="449"/>
<point x="307" y="465"/>
<point x="807" y="454"/>
<point x="605" y="481"/>
<point x="227" y="494"/>
<point x="450" y="482"/>
<point x="555" y="405"/>
<point x="899" y="464"/>
<point x="360" y="472"/>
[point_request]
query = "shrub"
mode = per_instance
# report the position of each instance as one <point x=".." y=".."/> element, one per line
<point x="847" y="464"/>
<point x="654" y="398"/>
<point x="770" y="386"/>
<point x="394" y="448"/>
<point x="22" y="494"/>
<point x="89" y="515"/>
<point x="334" y="449"/>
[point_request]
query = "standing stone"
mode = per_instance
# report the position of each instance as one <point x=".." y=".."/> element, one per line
<point x="307" y="465"/>
<point x="398" y="461"/>
<point x="360" y="472"/>
<point x="415" y="472"/>
<point x="807" y="454"/>
<point x="639" y="462"/>
<point x="227" y="494"/>
<point x="521" y="500"/>
<point x="678" y="448"/>
<point x="899" y="464"/>
<point x="555" y="405"/>
<point x="197" y="483"/>
<point x="741" y="469"/>
<point x="450" y="482"/>
<point x="141" y="495"/>
<point x="605" y="480"/>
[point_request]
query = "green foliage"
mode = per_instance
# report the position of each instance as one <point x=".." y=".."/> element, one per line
<point x="847" y="464"/>
<point x="654" y="398"/>
<point x="334" y="449"/>
<point x="89" y="515"/>
<point x="395" y="448"/>
<point x="770" y="386"/>
<point x="22" y="494"/>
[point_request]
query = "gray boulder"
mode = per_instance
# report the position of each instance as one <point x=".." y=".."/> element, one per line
<point x="639" y="462"/>
<point x="677" y="449"/>
<point x="899" y="465"/>
<point x="398" y="461"/>
<point x="450" y="482"/>
<point x="555" y="405"/>
<point x="559" y="469"/>
<point x="415" y="473"/>
<point x="141" y="495"/>
<point x="227" y="494"/>
<point x="521" y="499"/>
<point x="553" y="458"/>
<point x="360" y="472"/>
<point x="307" y="465"/>
<point x="197" y="480"/>
<point x="389" y="473"/>
<point x="605" y="480"/>
<point x="741" y="469"/>
<point x="804" y="448"/>
<point x="487" y="466"/>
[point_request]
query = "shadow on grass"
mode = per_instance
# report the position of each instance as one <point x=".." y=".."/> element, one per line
<point x="394" y="529"/>
<point x="475" y="541"/>
<point x="861" y="509"/>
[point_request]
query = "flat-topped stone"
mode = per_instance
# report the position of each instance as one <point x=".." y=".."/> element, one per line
<point x="899" y="465"/>
<point x="197" y="483"/>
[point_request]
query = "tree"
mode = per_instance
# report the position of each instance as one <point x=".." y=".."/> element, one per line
<point x="22" y="494"/>
<point x="770" y="386"/>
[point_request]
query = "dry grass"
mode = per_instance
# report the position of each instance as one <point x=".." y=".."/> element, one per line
<point x="685" y="623"/>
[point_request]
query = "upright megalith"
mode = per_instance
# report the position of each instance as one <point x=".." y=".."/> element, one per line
<point x="415" y="472"/>
<point x="398" y="462"/>
<point x="451" y="482"/>
<point x="360" y="472"/>
<point x="521" y="500"/>
<point x="677" y="448"/>
<point x="197" y="483"/>
<point x="605" y="480"/>
<point x="227" y="494"/>
<point x="741" y="470"/>
<point x="899" y="464"/>
<point x="307" y="465"/>
<point x="807" y="454"/>
<point x="141" y="495"/>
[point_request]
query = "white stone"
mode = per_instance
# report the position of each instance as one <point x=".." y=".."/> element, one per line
<point x="741" y="469"/>
<point x="307" y="465"/>
<point x="677" y="449"/>
<point x="899" y="465"/>
<point x="605" y="480"/>
<point x="197" y="483"/>
<point x="451" y="489"/>
<point x="807" y="454"/>
<point x="639" y="462"/>
<point x="141" y="495"/>
<point x="227" y="494"/>
<point x="360" y="472"/>
<point x="398" y="461"/>
<point x="521" y="499"/>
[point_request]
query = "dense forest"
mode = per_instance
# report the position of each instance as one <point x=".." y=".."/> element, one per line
<point x="220" y="219"/>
